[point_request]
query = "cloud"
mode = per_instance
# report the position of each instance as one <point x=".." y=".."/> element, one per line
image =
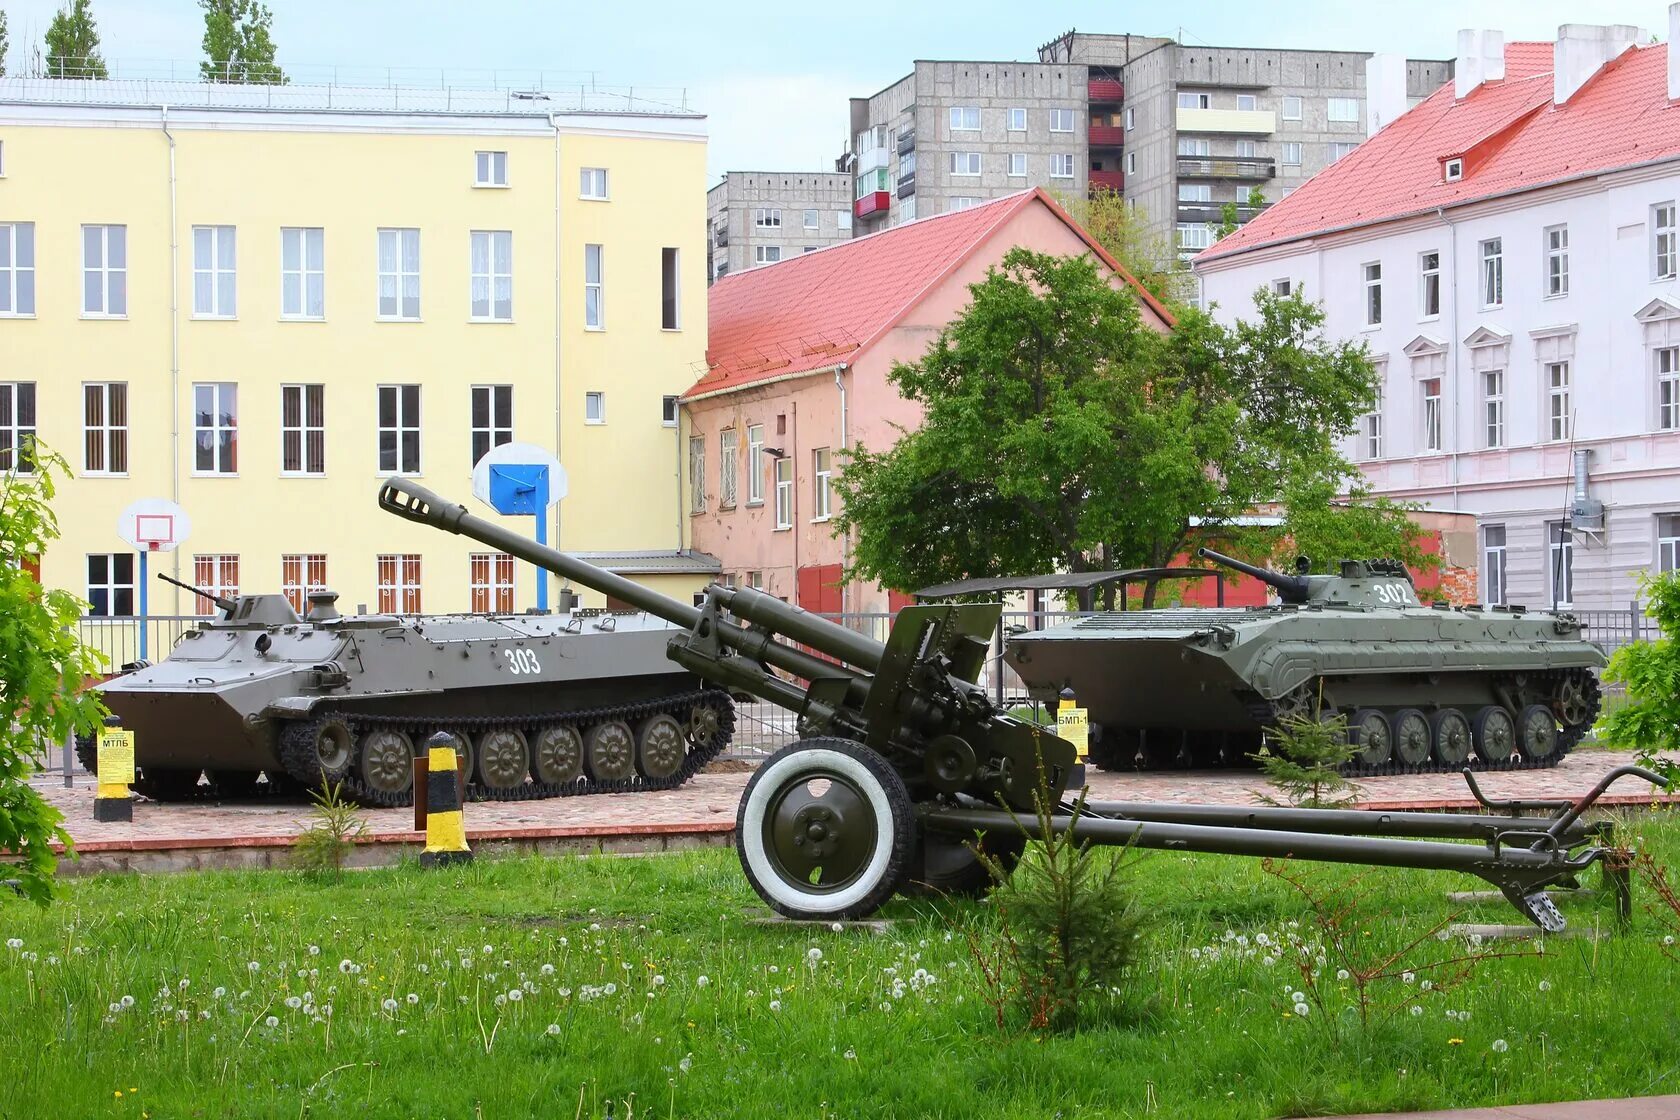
<point x="775" y="122"/>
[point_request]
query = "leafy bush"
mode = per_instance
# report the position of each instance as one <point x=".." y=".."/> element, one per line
<point x="1650" y="722"/>
<point x="334" y="827"/>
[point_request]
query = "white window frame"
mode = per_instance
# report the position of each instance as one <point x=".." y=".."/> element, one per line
<point x="965" y="164"/>
<point x="1492" y="383"/>
<point x="1291" y="108"/>
<point x="595" y="407"/>
<point x="495" y="275"/>
<point x="1560" y="564"/>
<point x="111" y="435"/>
<point x="17" y="276"/>
<point x="1194" y="235"/>
<point x="399" y="278"/>
<point x="822" y="474"/>
<point x="961" y="115"/>
<point x="669" y="409"/>
<point x="307" y="280"/>
<point x="490" y="169"/>
<point x="498" y="426"/>
<point x="111" y="586"/>
<point x="1495" y="567"/>
<point x="1061" y="165"/>
<point x="1665" y="369"/>
<point x="593" y="184"/>
<point x="1195" y="192"/>
<point x="963" y="202"/>
<point x="1491" y="276"/>
<point x="1341" y="149"/>
<point x="784" y="492"/>
<point x="111" y="281"/>
<point x="1453" y="170"/>
<point x="1187" y="100"/>
<point x="1017" y="119"/>
<point x="1246" y="149"/>
<point x="767" y="217"/>
<point x="670" y="288"/>
<point x="1371" y="272"/>
<point x="1194" y="147"/>
<point x="403" y="589"/>
<point x="810" y="219"/>
<point x="1017" y="165"/>
<point x="1061" y="117"/>
<point x="1432" y="429"/>
<point x="1247" y="103"/>
<point x="219" y="304"/>
<point x="1283" y="286"/>
<point x="594" y="290"/>
<point x="1131" y="164"/>
<point x="402" y="425"/>
<point x="223" y="422"/>
<point x="843" y="220"/>
<point x="729" y="467"/>
<point x="1290" y="156"/>
<point x="1663" y="248"/>
<point x="301" y="575"/>
<point x="1560" y="421"/>
<point x="1668" y="542"/>
<point x="767" y="254"/>
<point x="18" y="435"/>
<point x="1429" y="284"/>
<point x="1555" y="241"/>
<point x="1341" y="110"/>
<point x="755" y="464"/>
<point x="1372" y="429"/>
<point x="304" y="429"/>
<point x="490" y="582"/>
<point x="697" y="474"/>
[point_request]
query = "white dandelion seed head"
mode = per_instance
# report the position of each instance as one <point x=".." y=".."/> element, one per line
<point x="515" y="994"/>
<point x="564" y="993"/>
<point x="272" y="1021"/>
<point x="1545" y="985"/>
<point x="127" y="1001"/>
<point x="687" y="1063"/>
<point x="1342" y="974"/>
<point x="184" y="984"/>
<point x="1298" y="997"/>
<point x="851" y="1055"/>
<point x="702" y="980"/>
<point x="1416" y="1010"/>
<point x="1669" y="939"/>
<point x="835" y="927"/>
<point x="611" y="989"/>
<point x="553" y="1029"/>
<point x="489" y="949"/>
<point x="813" y="956"/>
<point x="389" y="1004"/>
<point x="658" y="980"/>
<point x="1500" y="1046"/>
<point x="547" y="970"/>
<point x="1301" y="1009"/>
<point x="1408" y="977"/>
<point x="775" y="1005"/>
<point x="253" y="966"/>
<point x="1426" y="985"/>
<point x="218" y="992"/>
<point x="501" y="1000"/>
<point x="314" y="950"/>
<point x="294" y="1002"/>
<point x="14" y="942"/>
<point x="346" y="966"/>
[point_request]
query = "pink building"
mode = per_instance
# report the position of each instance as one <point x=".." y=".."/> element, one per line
<point x="798" y="366"/>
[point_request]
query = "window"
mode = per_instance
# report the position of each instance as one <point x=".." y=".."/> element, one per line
<point x="1061" y="165"/>
<point x="1195" y="192"/>
<point x="1291" y="108"/>
<point x="784" y="492"/>
<point x="811" y="221"/>
<point x="105" y="271"/>
<point x="1662" y="241"/>
<point x="1557" y="261"/>
<point x="1561" y="547"/>
<point x="303" y="429"/>
<point x="594" y="311"/>
<point x="1432" y="414"/>
<point x="105" y="427"/>
<point x="961" y="202"/>
<point x="670" y="288"/>
<point x="1668" y="542"/>
<point x="492" y="418"/>
<point x="1292" y="154"/>
<point x="668" y="411"/>
<point x="1017" y="164"/>
<point x="399" y="274"/>
<point x="301" y="574"/>
<point x="1667" y="362"/>
<point x="1247" y="102"/>
<point x="492" y="276"/>
<point x="1373" y="427"/>
<point x="17" y="426"/>
<point x="1131" y="166"/>
<point x="1194" y="100"/>
<point x="1283" y="286"/>
<point x="697" y="474"/>
<point x="213" y="272"/>
<point x="1340" y="149"/>
<point x="1373" y="294"/>
<point x="217" y="573"/>
<point x="490" y="169"/>
<point x="820" y="488"/>
<point x="1429" y="274"/>
<point x="1561" y="422"/>
<point x="595" y="408"/>
<point x="729" y="448"/>
<point x="1493" y="272"/>
<point x="1017" y="120"/>
<point x="843" y="220"/>
<point x="215" y="428"/>
<point x="766" y="254"/>
<point x="1190" y="146"/>
<point x="399" y="583"/>
<point x="755" y="580"/>
<point x="1493" y="565"/>
<point x="1493" y="408"/>
<point x="767" y="219"/>
<point x="302" y="274"/>
<point x="1131" y="120"/>
<point x="965" y="163"/>
<point x="1061" y="120"/>
<point x="1345" y="109"/>
<point x="399" y="428"/>
<point x="17" y="268"/>
<point x="110" y="584"/>
<point x="1245" y="149"/>
<point x="1453" y="170"/>
<point x="1194" y="235"/>
<point x="490" y="582"/>
<point x="755" y="464"/>
<point x="965" y="118"/>
<point x="592" y="183"/>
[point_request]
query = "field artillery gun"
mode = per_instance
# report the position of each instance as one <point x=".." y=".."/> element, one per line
<point x="904" y="765"/>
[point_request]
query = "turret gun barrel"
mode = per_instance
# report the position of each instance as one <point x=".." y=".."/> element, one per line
<point x="224" y="603"/>
<point x="1291" y="589"/>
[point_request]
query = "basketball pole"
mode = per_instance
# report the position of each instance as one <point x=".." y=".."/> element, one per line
<point x="542" y="539"/>
<point x="143" y="553"/>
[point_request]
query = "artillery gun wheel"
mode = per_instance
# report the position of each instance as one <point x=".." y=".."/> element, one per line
<point x="826" y="830"/>
<point x="162" y="783"/>
<point x="660" y="744"/>
<point x="386" y="760"/>
<point x="1412" y="737"/>
<point x="1537" y="734"/>
<point x="1372" y="737"/>
<point x="1493" y="734"/>
<point x="1451" y="735"/>
<point x="610" y="751"/>
<point x="504" y="758"/>
<point x="238" y="784"/>
<point x="945" y="864"/>
<point x="558" y="758"/>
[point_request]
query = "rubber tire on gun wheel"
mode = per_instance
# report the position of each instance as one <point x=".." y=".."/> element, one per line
<point x="879" y="800"/>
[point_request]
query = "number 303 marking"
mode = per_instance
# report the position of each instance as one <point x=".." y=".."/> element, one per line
<point x="522" y="661"/>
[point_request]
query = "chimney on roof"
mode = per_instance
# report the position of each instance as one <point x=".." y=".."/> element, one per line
<point x="1581" y="51"/>
<point x="1481" y="58"/>
<point x="1673" y="57"/>
<point x="1385" y="90"/>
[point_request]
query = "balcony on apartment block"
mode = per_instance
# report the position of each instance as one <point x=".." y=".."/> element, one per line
<point x="1108" y="180"/>
<point x="1242" y="122"/>
<point x="874" y="202"/>
<point x="1107" y="136"/>
<point x="1227" y="167"/>
<point x="1215" y="211"/>
<point x="1105" y="89"/>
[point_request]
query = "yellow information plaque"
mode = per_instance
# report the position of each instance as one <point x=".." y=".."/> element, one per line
<point x="116" y="757"/>
<point x="1074" y="725"/>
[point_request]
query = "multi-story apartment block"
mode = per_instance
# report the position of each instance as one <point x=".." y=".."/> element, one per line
<point x="259" y="312"/>
<point x="760" y="217"/>
<point x="1509" y="252"/>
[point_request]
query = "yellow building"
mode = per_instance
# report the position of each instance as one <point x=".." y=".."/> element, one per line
<point x="260" y="301"/>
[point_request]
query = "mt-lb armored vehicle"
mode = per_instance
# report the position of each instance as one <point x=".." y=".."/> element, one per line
<point x="583" y="701"/>
<point x="1421" y="687"/>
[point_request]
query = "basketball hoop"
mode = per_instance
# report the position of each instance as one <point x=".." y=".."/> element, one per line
<point x="153" y="532"/>
<point x="154" y="525"/>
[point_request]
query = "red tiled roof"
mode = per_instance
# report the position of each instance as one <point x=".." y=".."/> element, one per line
<point x="815" y="310"/>
<point x="1510" y="134"/>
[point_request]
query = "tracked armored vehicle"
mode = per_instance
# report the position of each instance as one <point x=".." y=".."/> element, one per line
<point x="583" y="701"/>
<point x="1421" y="687"/>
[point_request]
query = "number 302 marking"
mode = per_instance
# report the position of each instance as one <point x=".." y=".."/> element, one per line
<point x="1389" y="593"/>
<point x="522" y="661"/>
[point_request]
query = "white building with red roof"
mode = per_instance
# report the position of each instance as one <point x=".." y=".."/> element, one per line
<point x="797" y="372"/>
<point x="1509" y="251"/>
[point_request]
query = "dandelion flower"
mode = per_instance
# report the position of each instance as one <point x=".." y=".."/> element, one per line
<point x="127" y="1001"/>
<point x="346" y="966"/>
<point x="253" y="966"/>
<point x="413" y="998"/>
<point x="1407" y="977"/>
<point x="1298" y="997"/>
<point x="687" y="1063"/>
<point x="1669" y="940"/>
<point x="294" y="1002"/>
<point x="514" y="994"/>
<point x="272" y="1021"/>
<point x="1416" y="1010"/>
<point x="1500" y="1046"/>
<point x="658" y="980"/>
<point x="565" y="993"/>
<point x="1455" y="1042"/>
<point x="547" y="970"/>
<point x="851" y="1055"/>
<point x="813" y="955"/>
<point x="1301" y="1009"/>
<point x="611" y="989"/>
<point x="702" y="980"/>
<point x="489" y="948"/>
<point x="835" y="927"/>
<point x="553" y="1028"/>
<point x="775" y="1005"/>
<point x="314" y="950"/>
<point x="17" y="943"/>
<point x="1426" y="985"/>
<point x="218" y="992"/>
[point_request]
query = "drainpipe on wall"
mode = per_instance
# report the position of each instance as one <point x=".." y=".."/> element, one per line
<point x="845" y="538"/>
<point x="677" y="430"/>
<point x="555" y="125"/>
<point x="793" y="499"/>
<point x="1452" y="343"/>
<point x="174" y="351"/>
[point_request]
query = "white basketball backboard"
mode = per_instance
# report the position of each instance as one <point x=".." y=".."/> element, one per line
<point x="154" y="525"/>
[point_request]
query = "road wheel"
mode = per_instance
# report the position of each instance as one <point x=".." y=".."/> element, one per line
<point x="558" y="757"/>
<point x="610" y="751"/>
<point x="387" y="760"/>
<point x="660" y="746"/>
<point x="1450" y="732"/>
<point x="826" y="830"/>
<point x="1493" y="734"/>
<point x="464" y="754"/>
<point x="1576" y="698"/>
<point x="1537" y="734"/>
<point x="1412" y="738"/>
<point x="504" y="758"/>
<point x="1372" y="737"/>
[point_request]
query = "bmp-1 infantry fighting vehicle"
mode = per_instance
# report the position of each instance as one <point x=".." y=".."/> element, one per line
<point x="583" y="701"/>
<point x="1421" y="688"/>
<point x="904" y="763"/>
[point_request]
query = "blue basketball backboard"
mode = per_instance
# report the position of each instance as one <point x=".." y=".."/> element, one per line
<point x="519" y="488"/>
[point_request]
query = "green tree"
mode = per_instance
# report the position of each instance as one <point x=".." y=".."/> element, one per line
<point x="1650" y="721"/>
<point x="73" y="43"/>
<point x="1125" y="232"/>
<point x="1059" y="429"/>
<point x="42" y="669"/>
<point x="3" y="42"/>
<point x="237" y="45"/>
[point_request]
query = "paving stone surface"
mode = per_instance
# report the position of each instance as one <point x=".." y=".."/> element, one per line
<point x="1635" y="1108"/>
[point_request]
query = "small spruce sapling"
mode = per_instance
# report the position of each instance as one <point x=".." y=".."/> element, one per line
<point x="1302" y="757"/>
<point x="334" y="827"/>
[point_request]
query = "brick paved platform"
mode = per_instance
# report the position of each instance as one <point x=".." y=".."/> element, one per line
<point x="257" y="833"/>
<point x="1636" y="1108"/>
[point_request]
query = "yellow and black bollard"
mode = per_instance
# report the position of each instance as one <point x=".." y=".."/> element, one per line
<point x="446" y="830"/>
<point x="115" y="759"/>
<point x="1073" y="724"/>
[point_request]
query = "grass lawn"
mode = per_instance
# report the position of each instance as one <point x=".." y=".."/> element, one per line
<point x="559" y="988"/>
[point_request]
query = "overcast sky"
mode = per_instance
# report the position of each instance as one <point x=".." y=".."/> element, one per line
<point x="774" y="78"/>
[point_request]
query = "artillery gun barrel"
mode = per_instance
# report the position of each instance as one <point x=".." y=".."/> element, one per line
<point x="1293" y="589"/>
<point x="227" y="605"/>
